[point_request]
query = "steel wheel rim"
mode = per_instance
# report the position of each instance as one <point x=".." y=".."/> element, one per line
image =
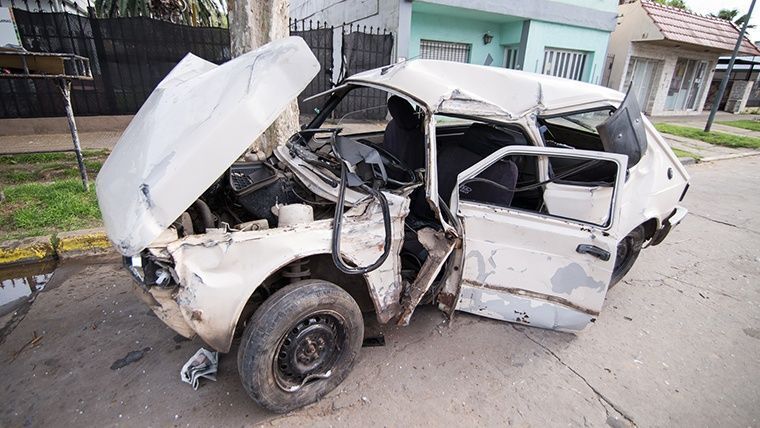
<point x="309" y="350"/>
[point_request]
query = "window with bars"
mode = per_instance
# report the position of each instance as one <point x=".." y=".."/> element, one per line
<point x="564" y="63"/>
<point x="447" y="51"/>
<point x="510" y="57"/>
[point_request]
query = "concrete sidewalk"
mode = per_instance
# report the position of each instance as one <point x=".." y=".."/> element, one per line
<point x="722" y="116"/>
<point x="25" y="143"/>
<point x="57" y="142"/>
<point x="704" y="151"/>
<point x="699" y="122"/>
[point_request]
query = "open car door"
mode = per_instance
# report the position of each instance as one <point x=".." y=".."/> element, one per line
<point x="524" y="263"/>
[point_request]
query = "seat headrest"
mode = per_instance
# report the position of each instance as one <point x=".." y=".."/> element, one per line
<point x="403" y="112"/>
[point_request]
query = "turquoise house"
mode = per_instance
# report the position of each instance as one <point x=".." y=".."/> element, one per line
<point x="566" y="38"/>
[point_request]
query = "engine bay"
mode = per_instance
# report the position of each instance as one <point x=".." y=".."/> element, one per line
<point x="248" y="194"/>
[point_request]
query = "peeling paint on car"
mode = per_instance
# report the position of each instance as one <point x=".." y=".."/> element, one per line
<point x="570" y="277"/>
<point x="519" y="309"/>
<point x="219" y="273"/>
<point x="459" y="103"/>
<point x="480" y="266"/>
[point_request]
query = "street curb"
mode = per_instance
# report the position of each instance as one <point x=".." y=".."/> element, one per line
<point x="89" y="242"/>
<point x="28" y="250"/>
<point x="63" y="246"/>
<point x="731" y="156"/>
<point x="687" y="160"/>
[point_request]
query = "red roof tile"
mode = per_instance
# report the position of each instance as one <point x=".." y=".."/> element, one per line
<point x="679" y="25"/>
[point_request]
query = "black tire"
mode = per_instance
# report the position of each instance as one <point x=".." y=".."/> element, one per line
<point x="627" y="252"/>
<point x="302" y="331"/>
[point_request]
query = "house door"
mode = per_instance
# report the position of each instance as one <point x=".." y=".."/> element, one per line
<point x="686" y="85"/>
<point x="640" y="77"/>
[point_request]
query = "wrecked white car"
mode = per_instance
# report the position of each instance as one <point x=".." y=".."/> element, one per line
<point x="511" y="195"/>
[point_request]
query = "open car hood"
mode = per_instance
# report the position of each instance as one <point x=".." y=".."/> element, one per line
<point x="194" y="125"/>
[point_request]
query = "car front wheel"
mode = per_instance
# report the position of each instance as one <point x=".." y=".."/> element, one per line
<point x="299" y="345"/>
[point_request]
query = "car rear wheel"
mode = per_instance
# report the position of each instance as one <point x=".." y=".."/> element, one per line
<point x="627" y="252"/>
<point x="299" y="345"/>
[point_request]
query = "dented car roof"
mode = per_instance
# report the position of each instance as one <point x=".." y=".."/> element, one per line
<point x="483" y="91"/>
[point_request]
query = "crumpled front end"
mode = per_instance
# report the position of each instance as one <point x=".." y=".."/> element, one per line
<point x="200" y="118"/>
<point x="214" y="275"/>
<point x="155" y="283"/>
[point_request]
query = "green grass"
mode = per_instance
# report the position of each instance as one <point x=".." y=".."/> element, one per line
<point x="47" y="167"/>
<point x="16" y="177"/>
<point x="752" y="125"/>
<point x="685" y="154"/>
<point x="713" y="137"/>
<point x="37" y="158"/>
<point x="43" y="193"/>
<point x="32" y="209"/>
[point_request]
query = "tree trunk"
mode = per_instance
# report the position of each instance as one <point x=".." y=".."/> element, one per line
<point x="254" y="23"/>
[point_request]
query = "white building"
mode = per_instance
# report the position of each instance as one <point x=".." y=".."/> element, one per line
<point x="668" y="55"/>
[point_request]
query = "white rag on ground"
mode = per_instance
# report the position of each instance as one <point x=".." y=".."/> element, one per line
<point x="202" y="364"/>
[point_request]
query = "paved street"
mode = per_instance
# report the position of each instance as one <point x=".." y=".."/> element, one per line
<point x="678" y="343"/>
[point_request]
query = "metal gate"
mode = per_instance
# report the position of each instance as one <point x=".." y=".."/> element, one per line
<point x="130" y="55"/>
<point x="363" y="51"/>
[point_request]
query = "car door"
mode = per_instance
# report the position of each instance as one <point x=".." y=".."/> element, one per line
<point x="529" y="265"/>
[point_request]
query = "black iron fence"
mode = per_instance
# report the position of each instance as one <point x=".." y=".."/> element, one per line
<point x="130" y="55"/>
<point x="363" y="50"/>
<point x="320" y="38"/>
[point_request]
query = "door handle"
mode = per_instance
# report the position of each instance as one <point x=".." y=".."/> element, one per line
<point x="593" y="250"/>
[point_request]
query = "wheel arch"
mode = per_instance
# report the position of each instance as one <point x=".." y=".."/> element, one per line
<point x="650" y="227"/>
<point x="321" y="266"/>
<point x="219" y="272"/>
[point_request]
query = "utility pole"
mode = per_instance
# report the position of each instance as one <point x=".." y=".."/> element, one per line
<point x="729" y="68"/>
<point x="254" y="23"/>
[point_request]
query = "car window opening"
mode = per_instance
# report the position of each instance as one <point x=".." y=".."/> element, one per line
<point x="574" y="130"/>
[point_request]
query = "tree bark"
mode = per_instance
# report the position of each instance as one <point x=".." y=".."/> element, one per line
<point x="254" y="23"/>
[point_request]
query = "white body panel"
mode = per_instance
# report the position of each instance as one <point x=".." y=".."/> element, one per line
<point x="198" y="121"/>
<point x="516" y="261"/>
<point x="586" y="203"/>
<point x="220" y="270"/>
<point x="452" y="87"/>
